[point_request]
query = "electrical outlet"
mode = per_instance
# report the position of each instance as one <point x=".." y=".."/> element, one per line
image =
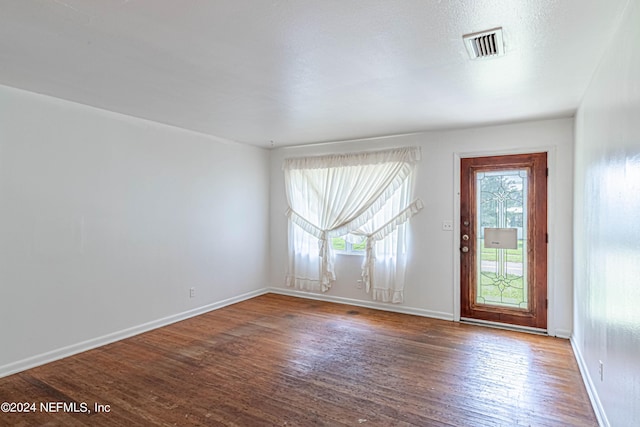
<point x="601" y="370"/>
<point x="192" y="292"/>
<point x="447" y="225"/>
<point x="359" y="284"/>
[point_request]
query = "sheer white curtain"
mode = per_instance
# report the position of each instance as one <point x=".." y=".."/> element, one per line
<point x="383" y="269"/>
<point x="363" y="194"/>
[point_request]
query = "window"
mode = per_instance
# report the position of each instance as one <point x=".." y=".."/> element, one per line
<point x="351" y="202"/>
<point x="341" y="245"/>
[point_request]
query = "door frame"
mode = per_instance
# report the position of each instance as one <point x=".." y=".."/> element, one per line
<point x="551" y="211"/>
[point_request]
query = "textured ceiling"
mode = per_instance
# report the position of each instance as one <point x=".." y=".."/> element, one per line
<point x="302" y="71"/>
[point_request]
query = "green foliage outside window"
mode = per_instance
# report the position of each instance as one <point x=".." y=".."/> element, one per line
<point x="340" y="244"/>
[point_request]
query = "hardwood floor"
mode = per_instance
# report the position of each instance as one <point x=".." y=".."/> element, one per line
<point x="281" y="361"/>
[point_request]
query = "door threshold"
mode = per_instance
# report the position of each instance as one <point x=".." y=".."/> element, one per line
<point x="506" y="326"/>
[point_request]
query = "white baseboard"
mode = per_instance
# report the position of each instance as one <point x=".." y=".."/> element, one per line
<point x="50" y="356"/>
<point x="563" y="333"/>
<point x="359" y="303"/>
<point x="588" y="383"/>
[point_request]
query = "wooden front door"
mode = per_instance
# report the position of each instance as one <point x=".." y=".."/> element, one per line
<point x="503" y="239"/>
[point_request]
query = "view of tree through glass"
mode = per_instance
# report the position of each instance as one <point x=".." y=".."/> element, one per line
<point x="501" y="202"/>
<point x="340" y="244"/>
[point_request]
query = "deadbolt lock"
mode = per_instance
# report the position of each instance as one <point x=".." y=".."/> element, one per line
<point x="465" y="237"/>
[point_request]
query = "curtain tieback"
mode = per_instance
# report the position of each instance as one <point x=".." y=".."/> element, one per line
<point x="369" y="265"/>
<point x="322" y="243"/>
<point x="370" y="248"/>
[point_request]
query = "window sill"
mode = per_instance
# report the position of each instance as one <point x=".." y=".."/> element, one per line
<point x="360" y="254"/>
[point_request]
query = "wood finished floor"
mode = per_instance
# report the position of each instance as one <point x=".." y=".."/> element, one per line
<point x="281" y="361"/>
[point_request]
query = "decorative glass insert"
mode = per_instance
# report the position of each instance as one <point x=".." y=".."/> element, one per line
<point x="502" y="273"/>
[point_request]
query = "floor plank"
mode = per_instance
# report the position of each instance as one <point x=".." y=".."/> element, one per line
<point x="281" y="361"/>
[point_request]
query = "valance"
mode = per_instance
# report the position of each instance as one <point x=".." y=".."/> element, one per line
<point x="409" y="155"/>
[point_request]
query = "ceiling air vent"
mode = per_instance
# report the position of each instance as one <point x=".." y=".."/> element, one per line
<point x="485" y="44"/>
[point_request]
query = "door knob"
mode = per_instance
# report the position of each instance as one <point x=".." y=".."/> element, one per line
<point x="465" y="237"/>
<point x="464" y="249"/>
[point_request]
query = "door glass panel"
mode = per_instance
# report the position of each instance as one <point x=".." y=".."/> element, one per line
<point x="501" y="273"/>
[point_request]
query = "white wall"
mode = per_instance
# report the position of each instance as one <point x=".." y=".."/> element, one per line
<point x="607" y="228"/>
<point x="431" y="283"/>
<point x="106" y="221"/>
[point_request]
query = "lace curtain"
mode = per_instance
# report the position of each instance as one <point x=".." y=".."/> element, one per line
<point x="353" y="196"/>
